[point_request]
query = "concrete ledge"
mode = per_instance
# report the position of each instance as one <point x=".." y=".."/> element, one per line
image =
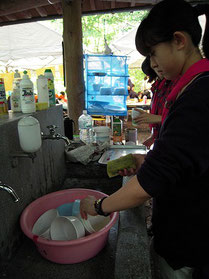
<point x="132" y="255"/>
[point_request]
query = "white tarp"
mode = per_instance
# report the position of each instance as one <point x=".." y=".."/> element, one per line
<point x="29" y="46"/>
<point x="126" y="46"/>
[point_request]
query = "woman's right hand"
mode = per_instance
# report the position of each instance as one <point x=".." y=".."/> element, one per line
<point x="139" y="159"/>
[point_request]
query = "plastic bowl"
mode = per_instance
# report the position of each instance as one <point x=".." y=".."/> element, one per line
<point x="94" y="223"/>
<point x="65" y="252"/>
<point x="66" y="228"/>
<point x="43" y="223"/>
<point x="65" y="209"/>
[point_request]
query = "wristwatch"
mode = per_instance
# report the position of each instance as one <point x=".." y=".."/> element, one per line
<point x="98" y="207"/>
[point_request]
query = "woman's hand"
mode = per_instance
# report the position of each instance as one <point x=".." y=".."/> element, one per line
<point x="148" y="142"/>
<point x="147" y="118"/>
<point x="87" y="207"/>
<point x="139" y="159"/>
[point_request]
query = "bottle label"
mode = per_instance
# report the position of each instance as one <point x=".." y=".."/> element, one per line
<point x="27" y="95"/>
<point x="117" y="129"/>
<point x="16" y="101"/>
<point x="51" y="92"/>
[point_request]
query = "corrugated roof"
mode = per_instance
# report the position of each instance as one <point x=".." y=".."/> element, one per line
<point x="19" y="11"/>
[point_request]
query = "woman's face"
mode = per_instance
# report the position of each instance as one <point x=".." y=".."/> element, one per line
<point x="166" y="60"/>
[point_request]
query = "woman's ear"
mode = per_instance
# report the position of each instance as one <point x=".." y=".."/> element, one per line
<point x="179" y="39"/>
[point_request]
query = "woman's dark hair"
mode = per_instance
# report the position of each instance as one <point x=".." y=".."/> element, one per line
<point x="167" y="17"/>
<point x="147" y="70"/>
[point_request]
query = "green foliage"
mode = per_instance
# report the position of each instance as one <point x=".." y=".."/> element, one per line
<point x="137" y="77"/>
<point x="110" y="26"/>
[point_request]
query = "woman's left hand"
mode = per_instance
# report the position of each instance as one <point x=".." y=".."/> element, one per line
<point x="87" y="207"/>
<point x="147" y="118"/>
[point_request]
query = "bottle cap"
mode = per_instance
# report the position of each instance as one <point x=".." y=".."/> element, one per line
<point x="84" y="111"/>
<point x="48" y="71"/>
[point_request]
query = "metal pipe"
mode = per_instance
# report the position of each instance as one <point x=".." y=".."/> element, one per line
<point x="9" y="190"/>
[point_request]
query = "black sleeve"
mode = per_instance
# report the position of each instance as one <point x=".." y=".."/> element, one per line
<point x="182" y="151"/>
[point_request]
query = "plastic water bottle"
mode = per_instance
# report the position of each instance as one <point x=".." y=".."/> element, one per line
<point x="15" y="96"/>
<point x="49" y="75"/>
<point x="26" y="94"/>
<point x="85" y="127"/>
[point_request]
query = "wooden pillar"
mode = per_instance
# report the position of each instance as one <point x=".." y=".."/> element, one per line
<point x="73" y="58"/>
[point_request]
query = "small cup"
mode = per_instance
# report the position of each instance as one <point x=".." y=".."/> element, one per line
<point x="134" y="114"/>
<point x="43" y="223"/>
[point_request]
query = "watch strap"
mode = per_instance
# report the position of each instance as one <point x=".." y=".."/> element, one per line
<point x="98" y="207"/>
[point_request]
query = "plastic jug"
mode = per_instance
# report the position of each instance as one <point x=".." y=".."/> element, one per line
<point x="27" y="95"/>
<point x="42" y="88"/>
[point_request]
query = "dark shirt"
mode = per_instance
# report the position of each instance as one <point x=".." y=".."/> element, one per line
<point x="176" y="174"/>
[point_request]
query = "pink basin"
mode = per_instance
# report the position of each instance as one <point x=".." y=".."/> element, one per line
<point x="64" y="252"/>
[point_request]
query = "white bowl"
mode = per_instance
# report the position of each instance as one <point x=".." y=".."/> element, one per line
<point x="43" y="223"/>
<point x="94" y="223"/>
<point x="66" y="228"/>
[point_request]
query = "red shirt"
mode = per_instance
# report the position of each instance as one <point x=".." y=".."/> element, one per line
<point x="160" y="89"/>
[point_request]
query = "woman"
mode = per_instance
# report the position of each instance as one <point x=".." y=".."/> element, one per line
<point x="176" y="172"/>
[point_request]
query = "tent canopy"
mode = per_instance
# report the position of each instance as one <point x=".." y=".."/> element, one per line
<point x="126" y="46"/>
<point x="29" y="46"/>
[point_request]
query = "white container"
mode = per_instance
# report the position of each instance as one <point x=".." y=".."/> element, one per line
<point x="43" y="223"/>
<point x="27" y="95"/>
<point x="94" y="223"/>
<point x="101" y="134"/>
<point x="29" y="134"/>
<point x="134" y="114"/>
<point x="51" y="91"/>
<point x="42" y="87"/>
<point x="66" y="228"/>
<point x="85" y="127"/>
<point x="15" y="96"/>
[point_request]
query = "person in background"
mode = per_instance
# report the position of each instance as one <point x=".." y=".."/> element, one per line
<point x="176" y="172"/>
<point x="132" y="94"/>
<point x="160" y="90"/>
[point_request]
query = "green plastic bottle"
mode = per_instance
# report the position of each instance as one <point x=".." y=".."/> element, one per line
<point x="117" y="130"/>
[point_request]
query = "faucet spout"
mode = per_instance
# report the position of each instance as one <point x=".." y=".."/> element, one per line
<point x="9" y="190"/>
<point x="53" y="135"/>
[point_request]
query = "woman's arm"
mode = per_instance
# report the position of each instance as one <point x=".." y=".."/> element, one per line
<point x="147" y="118"/>
<point x="128" y="196"/>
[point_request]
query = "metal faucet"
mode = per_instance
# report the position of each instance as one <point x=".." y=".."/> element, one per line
<point x="53" y="135"/>
<point x="10" y="191"/>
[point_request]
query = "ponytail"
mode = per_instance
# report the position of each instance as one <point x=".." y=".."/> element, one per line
<point x="203" y="9"/>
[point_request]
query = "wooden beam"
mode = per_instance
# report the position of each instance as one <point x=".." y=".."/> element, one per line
<point x="26" y="14"/>
<point x="113" y="5"/>
<point x="58" y="8"/>
<point x="11" y="17"/>
<point x="92" y="5"/>
<point x="41" y="11"/>
<point x="73" y="58"/>
<point x="15" y="6"/>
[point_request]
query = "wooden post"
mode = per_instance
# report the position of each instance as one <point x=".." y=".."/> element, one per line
<point x="73" y="58"/>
